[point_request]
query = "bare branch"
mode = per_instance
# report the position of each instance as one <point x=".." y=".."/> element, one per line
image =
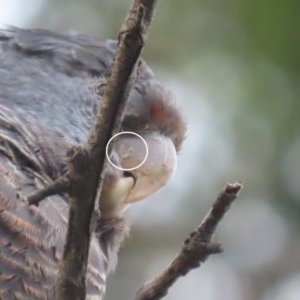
<point x="196" y="249"/>
<point x="59" y="186"/>
<point x="87" y="164"/>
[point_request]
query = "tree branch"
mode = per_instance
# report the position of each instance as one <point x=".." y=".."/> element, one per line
<point x="59" y="186"/>
<point x="196" y="249"/>
<point x="87" y="164"/>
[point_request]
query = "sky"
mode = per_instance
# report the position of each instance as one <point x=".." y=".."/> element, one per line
<point x="18" y="12"/>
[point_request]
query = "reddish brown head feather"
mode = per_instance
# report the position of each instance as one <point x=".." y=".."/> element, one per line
<point x="165" y="115"/>
<point x="151" y="108"/>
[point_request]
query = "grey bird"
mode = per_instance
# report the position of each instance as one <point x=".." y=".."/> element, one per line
<point x="49" y="96"/>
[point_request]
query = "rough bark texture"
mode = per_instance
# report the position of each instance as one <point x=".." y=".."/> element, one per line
<point x="87" y="164"/>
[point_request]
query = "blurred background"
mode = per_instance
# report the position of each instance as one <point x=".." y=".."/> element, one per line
<point x="234" y="67"/>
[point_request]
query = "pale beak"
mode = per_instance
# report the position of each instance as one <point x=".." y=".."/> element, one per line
<point x="157" y="169"/>
<point x="134" y="184"/>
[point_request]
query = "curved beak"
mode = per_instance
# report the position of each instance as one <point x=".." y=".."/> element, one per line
<point x="158" y="167"/>
<point x="135" y="182"/>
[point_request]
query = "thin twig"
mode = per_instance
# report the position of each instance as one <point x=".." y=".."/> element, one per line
<point x="196" y="249"/>
<point x="59" y="186"/>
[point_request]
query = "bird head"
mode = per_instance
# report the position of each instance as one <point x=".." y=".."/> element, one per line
<point x="144" y="156"/>
<point x="55" y="106"/>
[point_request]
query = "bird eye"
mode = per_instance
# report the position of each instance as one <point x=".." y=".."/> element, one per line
<point x="100" y="89"/>
<point x="132" y="123"/>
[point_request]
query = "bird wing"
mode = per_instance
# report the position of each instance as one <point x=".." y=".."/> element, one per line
<point x="32" y="238"/>
<point x="43" y="77"/>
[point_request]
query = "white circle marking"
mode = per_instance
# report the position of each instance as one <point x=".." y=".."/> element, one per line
<point x="127" y="132"/>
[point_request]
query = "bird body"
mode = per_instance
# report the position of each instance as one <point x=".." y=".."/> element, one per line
<point x="48" y="103"/>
